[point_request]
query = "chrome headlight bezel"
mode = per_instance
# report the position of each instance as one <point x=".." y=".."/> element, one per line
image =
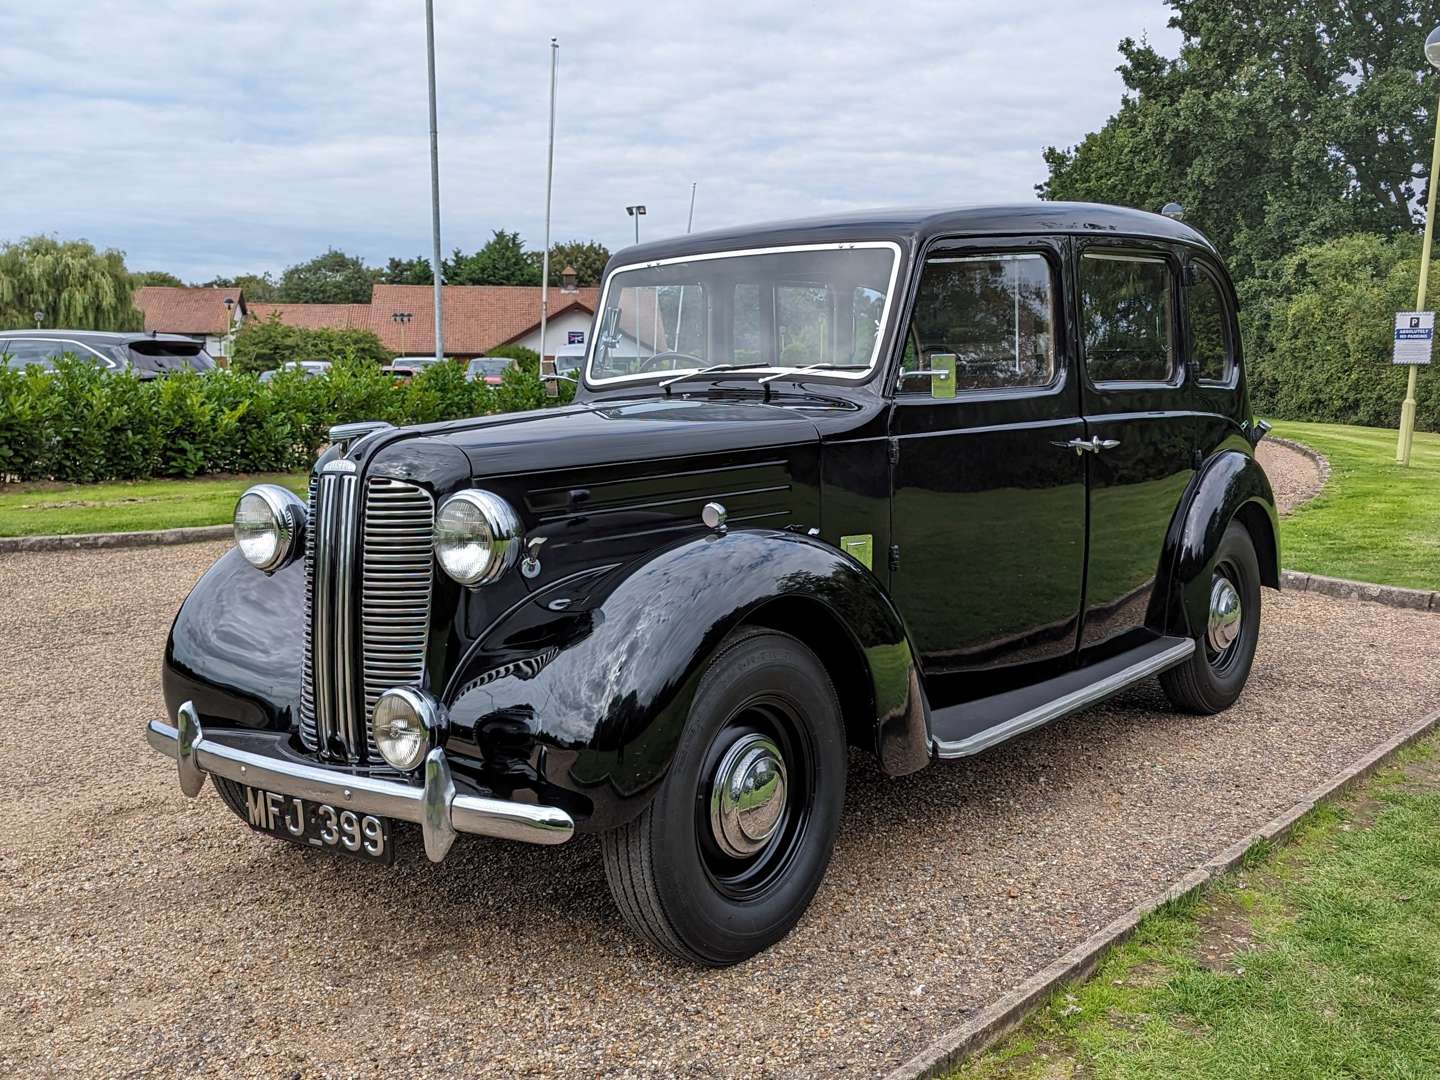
<point x="494" y="525"/>
<point x="425" y="718"/>
<point x="287" y="514"/>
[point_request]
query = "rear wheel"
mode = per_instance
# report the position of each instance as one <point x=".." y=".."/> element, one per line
<point x="1215" y="674"/>
<point x="729" y="853"/>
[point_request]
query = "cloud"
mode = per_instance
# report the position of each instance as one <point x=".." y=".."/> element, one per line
<point x="203" y="138"/>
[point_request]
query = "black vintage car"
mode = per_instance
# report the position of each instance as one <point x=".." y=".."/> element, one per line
<point x="912" y="482"/>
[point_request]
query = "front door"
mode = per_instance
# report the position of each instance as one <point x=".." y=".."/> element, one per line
<point x="1144" y="436"/>
<point x="988" y="507"/>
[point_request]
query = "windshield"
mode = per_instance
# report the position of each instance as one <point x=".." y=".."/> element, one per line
<point x="158" y="357"/>
<point x="489" y="367"/>
<point x="780" y="309"/>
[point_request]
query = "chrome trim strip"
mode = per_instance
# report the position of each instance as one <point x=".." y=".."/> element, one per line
<point x="1068" y="703"/>
<point x="344" y="620"/>
<point x="437" y="808"/>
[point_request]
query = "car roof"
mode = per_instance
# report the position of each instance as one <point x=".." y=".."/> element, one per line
<point x="96" y="337"/>
<point x="912" y="226"/>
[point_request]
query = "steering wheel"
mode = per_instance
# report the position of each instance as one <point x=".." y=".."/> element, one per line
<point x="653" y="363"/>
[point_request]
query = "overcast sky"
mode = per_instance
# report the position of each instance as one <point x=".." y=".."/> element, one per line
<point x="207" y="138"/>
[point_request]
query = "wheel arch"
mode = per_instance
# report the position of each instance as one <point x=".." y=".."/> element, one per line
<point x="1230" y="486"/>
<point x="592" y="698"/>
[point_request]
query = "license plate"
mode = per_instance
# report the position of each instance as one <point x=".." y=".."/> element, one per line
<point x="320" y="825"/>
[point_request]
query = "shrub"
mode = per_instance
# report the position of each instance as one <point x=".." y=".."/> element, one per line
<point x="1319" y="329"/>
<point x="80" y="424"/>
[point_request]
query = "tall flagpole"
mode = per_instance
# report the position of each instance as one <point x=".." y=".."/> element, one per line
<point x="434" y="176"/>
<point x="549" y="182"/>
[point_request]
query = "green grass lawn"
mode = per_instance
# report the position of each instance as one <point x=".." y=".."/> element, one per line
<point x="1375" y="520"/>
<point x="47" y="509"/>
<point x="1319" y="959"/>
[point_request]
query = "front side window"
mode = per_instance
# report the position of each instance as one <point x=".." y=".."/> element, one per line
<point x="821" y="306"/>
<point x="994" y="314"/>
<point x="1208" y="337"/>
<point x="1126" y="322"/>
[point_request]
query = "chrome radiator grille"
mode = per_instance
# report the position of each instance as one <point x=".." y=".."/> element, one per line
<point x="396" y="575"/>
<point x="367" y="606"/>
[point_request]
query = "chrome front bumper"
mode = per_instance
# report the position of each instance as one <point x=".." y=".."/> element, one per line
<point x="437" y="807"/>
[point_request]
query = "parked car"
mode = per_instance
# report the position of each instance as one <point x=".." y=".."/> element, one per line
<point x="909" y="482"/>
<point x="489" y="368"/>
<point x="145" y="355"/>
<point x="309" y="369"/>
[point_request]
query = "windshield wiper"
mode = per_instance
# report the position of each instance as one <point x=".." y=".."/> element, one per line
<point x="808" y="367"/>
<point x="708" y="370"/>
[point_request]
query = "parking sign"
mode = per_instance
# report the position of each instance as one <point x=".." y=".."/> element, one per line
<point x="1414" y="337"/>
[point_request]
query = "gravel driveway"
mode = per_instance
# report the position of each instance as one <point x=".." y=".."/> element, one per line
<point x="146" y="933"/>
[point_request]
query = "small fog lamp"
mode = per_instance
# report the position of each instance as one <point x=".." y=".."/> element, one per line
<point x="405" y="726"/>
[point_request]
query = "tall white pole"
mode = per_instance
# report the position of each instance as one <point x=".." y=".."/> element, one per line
<point x="691" y="219"/>
<point x="549" y="183"/>
<point x="434" y="176"/>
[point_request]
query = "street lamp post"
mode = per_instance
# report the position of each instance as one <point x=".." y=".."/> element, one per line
<point x="636" y="212"/>
<point x="400" y="318"/>
<point x="39" y="318"/>
<point x="434" y="179"/>
<point x="549" y="184"/>
<point x="229" y="326"/>
<point x="1407" y="410"/>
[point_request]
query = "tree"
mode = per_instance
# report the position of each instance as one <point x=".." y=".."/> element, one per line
<point x="1281" y="123"/>
<point x="73" y="284"/>
<point x="331" y="278"/>
<point x="261" y="345"/>
<point x="258" y="288"/>
<point x="142" y="278"/>
<point x="416" y="271"/>
<point x="586" y="256"/>
<point x="502" y="261"/>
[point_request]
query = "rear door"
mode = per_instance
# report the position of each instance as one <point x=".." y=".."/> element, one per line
<point x="988" y="506"/>
<point x="1137" y="420"/>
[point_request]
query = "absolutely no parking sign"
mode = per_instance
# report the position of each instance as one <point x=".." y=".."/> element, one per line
<point x="1414" y="336"/>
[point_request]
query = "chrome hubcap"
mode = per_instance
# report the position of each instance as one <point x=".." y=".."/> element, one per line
<point x="747" y="795"/>
<point x="1224" y="624"/>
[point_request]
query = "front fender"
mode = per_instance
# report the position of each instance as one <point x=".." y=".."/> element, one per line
<point x="236" y="645"/>
<point x="1231" y="484"/>
<point x="587" y="686"/>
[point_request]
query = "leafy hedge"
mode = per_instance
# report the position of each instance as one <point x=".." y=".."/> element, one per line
<point x="79" y="424"/>
<point x="1319" y="330"/>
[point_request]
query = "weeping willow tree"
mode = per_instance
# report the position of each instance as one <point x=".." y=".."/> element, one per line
<point x="75" y="286"/>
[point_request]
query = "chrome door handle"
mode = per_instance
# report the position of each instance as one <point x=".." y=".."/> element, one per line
<point x="1092" y="445"/>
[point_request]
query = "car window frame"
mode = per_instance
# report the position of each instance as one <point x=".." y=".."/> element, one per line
<point x="1051" y="248"/>
<point x="1142" y="251"/>
<point x="1206" y="268"/>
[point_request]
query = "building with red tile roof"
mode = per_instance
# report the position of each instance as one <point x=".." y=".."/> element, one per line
<point x="200" y="313"/>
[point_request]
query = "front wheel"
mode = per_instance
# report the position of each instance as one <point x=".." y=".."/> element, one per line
<point x="729" y="853"/>
<point x="1215" y="674"/>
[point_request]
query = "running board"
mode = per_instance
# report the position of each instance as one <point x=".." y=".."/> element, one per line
<point x="961" y="730"/>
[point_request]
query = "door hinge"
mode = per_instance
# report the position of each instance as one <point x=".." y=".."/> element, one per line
<point x="894" y="451"/>
<point x="894" y="556"/>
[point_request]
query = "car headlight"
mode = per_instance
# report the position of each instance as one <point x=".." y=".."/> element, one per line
<point x="405" y="725"/>
<point x="269" y="526"/>
<point x="477" y="536"/>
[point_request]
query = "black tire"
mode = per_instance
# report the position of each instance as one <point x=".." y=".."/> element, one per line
<point x="232" y="795"/>
<point x="671" y="878"/>
<point x="1212" y="678"/>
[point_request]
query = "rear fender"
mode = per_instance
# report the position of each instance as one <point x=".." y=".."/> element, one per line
<point x="587" y="686"/>
<point x="1230" y="486"/>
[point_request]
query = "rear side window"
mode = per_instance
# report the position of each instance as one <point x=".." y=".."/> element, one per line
<point x="993" y="313"/>
<point x="1126" y="318"/>
<point x="1209" y="342"/>
<point x="27" y="352"/>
